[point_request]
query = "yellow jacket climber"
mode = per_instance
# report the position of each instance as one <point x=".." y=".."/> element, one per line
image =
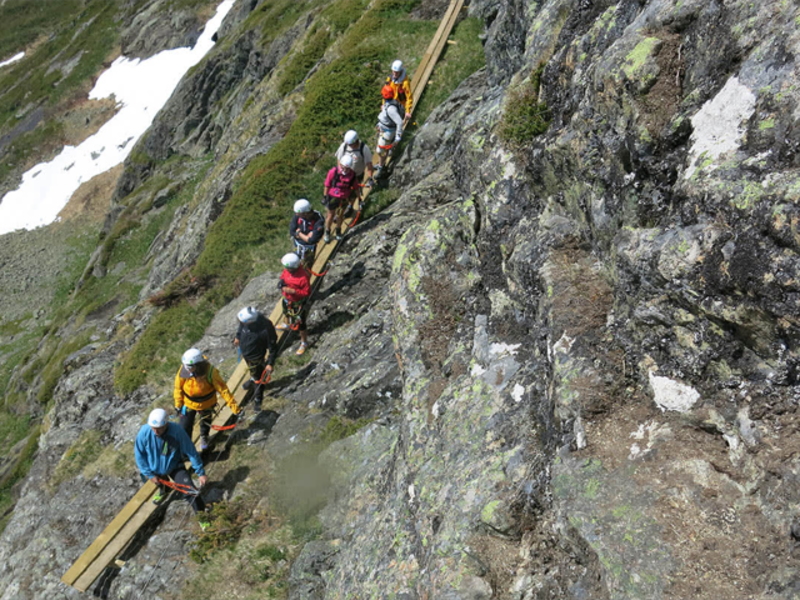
<point x="197" y="384"/>
<point x="401" y="86"/>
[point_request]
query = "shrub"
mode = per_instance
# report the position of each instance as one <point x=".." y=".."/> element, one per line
<point x="525" y="117"/>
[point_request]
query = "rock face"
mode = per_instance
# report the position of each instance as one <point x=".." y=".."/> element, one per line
<point x="579" y="350"/>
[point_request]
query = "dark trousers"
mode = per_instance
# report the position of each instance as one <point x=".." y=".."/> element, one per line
<point x="181" y="475"/>
<point x="256" y="371"/>
<point x="187" y="420"/>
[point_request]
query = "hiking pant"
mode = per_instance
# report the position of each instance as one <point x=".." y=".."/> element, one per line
<point x="256" y="371"/>
<point x="187" y="420"/>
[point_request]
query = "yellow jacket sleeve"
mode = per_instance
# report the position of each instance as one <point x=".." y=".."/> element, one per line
<point x="409" y="99"/>
<point x="177" y="394"/>
<point x="222" y="390"/>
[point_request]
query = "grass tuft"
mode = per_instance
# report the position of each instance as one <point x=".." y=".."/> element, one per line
<point x="525" y="117"/>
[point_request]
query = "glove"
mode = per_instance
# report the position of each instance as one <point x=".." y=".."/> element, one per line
<point x="370" y="182"/>
<point x="177" y="412"/>
<point x="281" y="284"/>
<point x="397" y="138"/>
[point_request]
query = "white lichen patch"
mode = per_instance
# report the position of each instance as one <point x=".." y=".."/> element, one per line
<point x="654" y="432"/>
<point x="498" y="349"/>
<point x="477" y="370"/>
<point x="719" y="126"/>
<point x="517" y="393"/>
<point x="564" y="344"/>
<point x="672" y="395"/>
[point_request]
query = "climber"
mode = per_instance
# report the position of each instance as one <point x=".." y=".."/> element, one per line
<point x="390" y="126"/>
<point x="337" y="194"/>
<point x="295" y="285"/>
<point x="402" y="88"/>
<point x="197" y="384"/>
<point x="306" y="229"/>
<point x="362" y="155"/>
<point x="159" y="449"/>
<point x="255" y="337"/>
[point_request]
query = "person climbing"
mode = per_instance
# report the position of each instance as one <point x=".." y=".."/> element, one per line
<point x="197" y="384"/>
<point x="295" y="285"/>
<point x="359" y="151"/>
<point x="306" y="229"/>
<point x="390" y="126"/>
<point x="337" y="192"/>
<point x="255" y="337"/>
<point x="402" y="88"/>
<point x="159" y="450"/>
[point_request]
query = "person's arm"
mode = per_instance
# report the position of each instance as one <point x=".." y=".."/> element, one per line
<point x="223" y="391"/>
<point x="328" y="181"/>
<point x="394" y="114"/>
<point x="272" y="344"/>
<point x="177" y="393"/>
<point x="293" y="227"/>
<point x="315" y="235"/>
<point x="409" y="99"/>
<point x="140" y="453"/>
<point x="369" y="167"/>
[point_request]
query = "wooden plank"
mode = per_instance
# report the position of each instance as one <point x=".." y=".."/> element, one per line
<point x="118" y="534"/>
<point x="108" y="534"/>
<point x="115" y="546"/>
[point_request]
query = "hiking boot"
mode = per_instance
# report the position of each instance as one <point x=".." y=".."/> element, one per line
<point x="247" y="384"/>
<point x="327" y="237"/>
<point x="339" y="235"/>
<point x="302" y="349"/>
<point x="203" y="443"/>
<point x="159" y="497"/>
<point x="257" y="405"/>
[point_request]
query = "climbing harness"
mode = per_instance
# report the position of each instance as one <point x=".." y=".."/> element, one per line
<point x="292" y="311"/>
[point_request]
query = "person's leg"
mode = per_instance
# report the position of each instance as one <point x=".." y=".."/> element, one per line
<point x="256" y="372"/>
<point x="182" y="477"/>
<point x="206" y="417"/>
<point x="187" y="420"/>
<point x="303" y="331"/>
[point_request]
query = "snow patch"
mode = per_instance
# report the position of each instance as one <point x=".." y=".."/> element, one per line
<point x="517" y="393"/>
<point x="672" y="395"/>
<point x="13" y="59"/>
<point x="719" y="124"/>
<point x="141" y="88"/>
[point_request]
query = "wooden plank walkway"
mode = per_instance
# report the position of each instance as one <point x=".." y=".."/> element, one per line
<point x="122" y="529"/>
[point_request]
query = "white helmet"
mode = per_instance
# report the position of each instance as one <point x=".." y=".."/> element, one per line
<point x="192" y="357"/>
<point x="247" y="315"/>
<point x="397" y="66"/>
<point x="302" y="206"/>
<point x="347" y="161"/>
<point x="290" y="261"/>
<point x="351" y="137"/>
<point x="157" y="418"/>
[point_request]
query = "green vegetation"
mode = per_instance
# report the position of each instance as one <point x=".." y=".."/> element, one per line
<point x="458" y="61"/>
<point x="302" y="62"/>
<point x="17" y="473"/>
<point x="525" y="117"/>
<point x="84" y="451"/>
